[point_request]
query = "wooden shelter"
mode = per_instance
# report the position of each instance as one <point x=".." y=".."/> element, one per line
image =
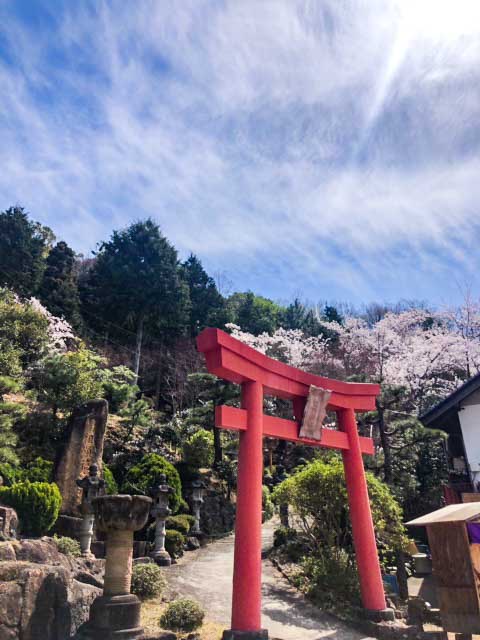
<point x="454" y="537"/>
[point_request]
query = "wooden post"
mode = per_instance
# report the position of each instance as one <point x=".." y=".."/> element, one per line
<point x="247" y="571"/>
<point x="371" y="585"/>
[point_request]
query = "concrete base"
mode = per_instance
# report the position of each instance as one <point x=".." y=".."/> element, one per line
<point x="231" y="634"/>
<point x="380" y="615"/>
<point x="114" y="618"/>
<point x="162" y="558"/>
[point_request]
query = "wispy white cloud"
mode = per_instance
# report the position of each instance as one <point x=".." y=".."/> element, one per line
<point x="329" y="148"/>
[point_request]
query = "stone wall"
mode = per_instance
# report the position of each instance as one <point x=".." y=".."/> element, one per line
<point x="44" y="595"/>
<point x="217" y="515"/>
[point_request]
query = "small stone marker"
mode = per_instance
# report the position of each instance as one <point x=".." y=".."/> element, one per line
<point x="315" y="412"/>
<point x="8" y="523"/>
<point x="84" y="448"/>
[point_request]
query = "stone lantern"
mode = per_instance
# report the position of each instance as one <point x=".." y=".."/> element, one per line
<point x="198" y="491"/>
<point x="92" y="487"/>
<point x="116" y="614"/>
<point x="160" y="511"/>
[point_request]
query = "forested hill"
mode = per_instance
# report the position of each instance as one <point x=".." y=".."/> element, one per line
<point x="134" y="300"/>
<point x="122" y="325"/>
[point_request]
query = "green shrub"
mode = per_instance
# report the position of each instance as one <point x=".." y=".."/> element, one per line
<point x="282" y="535"/>
<point x="39" y="470"/>
<point x="68" y="546"/>
<point x="182" y="615"/>
<point x="318" y="495"/>
<point x="174" y="543"/>
<point x="10" y="473"/>
<point x="332" y="577"/>
<point x="111" y="485"/>
<point x="182" y="523"/>
<point x="267" y="504"/>
<point x="37" y="504"/>
<point x="147" y="580"/>
<point x="142" y="477"/>
<point x="198" y="450"/>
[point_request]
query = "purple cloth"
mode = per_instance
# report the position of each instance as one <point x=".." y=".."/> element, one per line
<point x="473" y="529"/>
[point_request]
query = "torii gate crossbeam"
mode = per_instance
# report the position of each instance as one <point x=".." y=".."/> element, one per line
<point x="260" y="375"/>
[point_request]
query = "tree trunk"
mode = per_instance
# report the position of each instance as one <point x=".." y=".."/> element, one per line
<point x="138" y="347"/>
<point x="384" y="439"/>
<point x="217" y="444"/>
<point x="158" y="382"/>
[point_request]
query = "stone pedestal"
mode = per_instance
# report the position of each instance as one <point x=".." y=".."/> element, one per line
<point x="115" y="617"/>
<point x="160" y="512"/>
<point x="85" y="535"/>
<point x="116" y="614"/>
<point x="160" y="554"/>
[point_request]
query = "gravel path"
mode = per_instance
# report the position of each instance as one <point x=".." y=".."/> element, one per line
<point x="206" y="576"/>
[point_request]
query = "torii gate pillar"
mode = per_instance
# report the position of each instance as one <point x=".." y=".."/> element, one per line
<point x="232" y="360"/>
<point x="247" y="563"/>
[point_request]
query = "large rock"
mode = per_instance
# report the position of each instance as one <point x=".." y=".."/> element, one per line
<point x="7" y="552"/>
<point x="41" y="602"/>
<point x="44" y="593"/>
<point x="42" y="551"/>
<point x="84" y="447"/>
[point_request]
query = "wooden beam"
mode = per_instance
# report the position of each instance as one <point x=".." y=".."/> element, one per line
<point x="232" y="360"/>
<point x="236" y="419"/>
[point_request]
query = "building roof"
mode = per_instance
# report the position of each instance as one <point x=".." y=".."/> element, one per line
<point x="451" y="401"/>
<point x="451" y="513"/>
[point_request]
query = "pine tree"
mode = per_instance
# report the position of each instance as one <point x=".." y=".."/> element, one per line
<point x="207" y="306"/>
<point x="134" y="283"/>
<point x="59" y="290"/>
<point x="23" y="249"/>
<point x="9" y="413"/>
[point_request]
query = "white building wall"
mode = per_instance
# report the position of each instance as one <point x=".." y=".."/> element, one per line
<point x="469" y="417"/>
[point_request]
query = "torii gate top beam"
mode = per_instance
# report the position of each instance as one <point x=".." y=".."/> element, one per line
<point x="235" y="361"/>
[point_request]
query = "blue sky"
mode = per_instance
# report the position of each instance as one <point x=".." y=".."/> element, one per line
<point x="322" y="149"/>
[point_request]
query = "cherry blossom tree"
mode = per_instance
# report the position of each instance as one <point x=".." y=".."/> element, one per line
<point x="61" y="334"/>
<point x="418" y="356"/>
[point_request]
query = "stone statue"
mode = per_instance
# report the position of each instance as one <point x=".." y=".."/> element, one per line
<point x="92" y="487"/>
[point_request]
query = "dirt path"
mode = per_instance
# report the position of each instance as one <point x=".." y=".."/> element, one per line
<point x="206" y="576"/>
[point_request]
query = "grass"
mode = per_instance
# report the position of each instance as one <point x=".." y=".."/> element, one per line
<point x="153" y="609"/>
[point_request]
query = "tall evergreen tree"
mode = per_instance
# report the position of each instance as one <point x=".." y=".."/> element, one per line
<point x="332" y="314"/>
<point x="23" y="249"/>
<point x="294" y="315"/>
<point x="135" y="283"/>
<point x="299" y="316"/>
<point x="254" y="314"/>
<point x="59" y="290"/>
<point x="207" y="304"/>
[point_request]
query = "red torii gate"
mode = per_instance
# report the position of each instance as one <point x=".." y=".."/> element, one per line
<point x="258" y="375"/>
